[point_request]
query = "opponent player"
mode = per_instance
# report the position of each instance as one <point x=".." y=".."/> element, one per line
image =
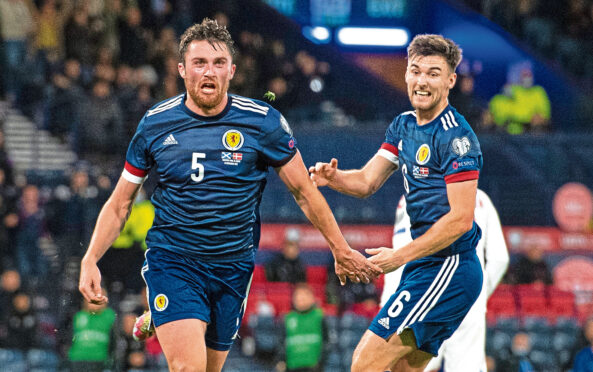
<point x="465" y="350"/>
<point x="440" y="159"/>
<point x="211" y="151"/>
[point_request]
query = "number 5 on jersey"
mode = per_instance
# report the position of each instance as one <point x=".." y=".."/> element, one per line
<point x="199" y="166"/>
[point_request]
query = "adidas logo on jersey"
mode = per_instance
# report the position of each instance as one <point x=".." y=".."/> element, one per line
<point x="170" y="140"/>
<point x="384" y="322"/>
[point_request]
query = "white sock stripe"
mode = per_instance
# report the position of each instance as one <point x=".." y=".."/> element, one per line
<point x="448" y="280"/>
<point x="422" y="299"/>
<point x="453" y="118"/>
<point x="435" y="293"/>
<point x="238" y="105"/>
<point x="248" y="102"/>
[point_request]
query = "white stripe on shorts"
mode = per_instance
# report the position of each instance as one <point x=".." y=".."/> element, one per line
<point x="436" y="299"/>
<point x="428" y="295"/>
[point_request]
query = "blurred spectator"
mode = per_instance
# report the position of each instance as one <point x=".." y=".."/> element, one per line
<point x="466" y="102"/>
<point x="123" y="261"/>
<point x="112" y="12"/>
<point x="5" y="162"/>
<point x="72" y="212"/>
<point x="305" y="333"/>
<point x="101" y="131"/>
<point x="134" y="357"/>
<point x="522" y="106"/>
<point x="287" y="265"/>
<point x="16" y="28"/>
<point x="64" y="97"/>
<point x="30" y="259"/>
<point x="50" y="26"/>
<point x="8" y="221"/>
<point x="80" y="36"/>
<point x="530" y="268"/>
<point x="518" y="361"/>
<point x="92" y="338"/>
<point x="10" y="283"/>
<point x="583" y="362"/>
<point x="21" y="323"/>
<point x="133" y="39"/>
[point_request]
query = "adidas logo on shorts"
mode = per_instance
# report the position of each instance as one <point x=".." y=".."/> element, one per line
<point x="384" y="322"/>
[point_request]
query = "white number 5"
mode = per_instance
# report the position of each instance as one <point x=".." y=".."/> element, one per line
<point x="195" y="165"/>
<point x="397" y="306"/>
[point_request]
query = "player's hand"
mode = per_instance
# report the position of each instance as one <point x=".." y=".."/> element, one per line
<point x="90" y="283"/>
<point x="323" y="173"/>
<point x="386" y="258"/>
<point x="352" y="265"/>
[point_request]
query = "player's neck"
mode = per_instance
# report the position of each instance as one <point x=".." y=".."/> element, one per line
<point x="426" y="116"/>
<point x="206" y="111"/>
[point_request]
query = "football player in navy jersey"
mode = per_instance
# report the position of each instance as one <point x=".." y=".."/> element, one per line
<point x="211" y="151"/>
<point x="440" y="159"/>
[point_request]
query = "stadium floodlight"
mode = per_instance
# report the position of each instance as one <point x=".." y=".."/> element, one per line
<point x="372" y="36"/>
<point x="317" y="34"/>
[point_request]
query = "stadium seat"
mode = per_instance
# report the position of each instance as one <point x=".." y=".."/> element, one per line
<point x="543" y="361"/>
<point x="316" y="275"/>
<point x="561" y="303"/>
<point x="533" y="304"/>
<point x="12" y="360"/>
<point x="541" y="341"/>
<point x="319" y="293"/>
<point x="42" y="358"/>
<point x="537" y="324"/>
<point x="259" y="275"/>
<point x="541" y="33"/>
<point x="501" y="340"/>
<point x="502" y="304"/>
<point x="266" y="333"/>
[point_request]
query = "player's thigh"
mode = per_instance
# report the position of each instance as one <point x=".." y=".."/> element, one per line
<point x="416" y="361"/>
<point x="183" y="344"/>
<point x="374" y="353"/>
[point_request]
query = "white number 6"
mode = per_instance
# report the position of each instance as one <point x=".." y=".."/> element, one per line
<point x="397" y="306"/>
<point x="195" y="165"/>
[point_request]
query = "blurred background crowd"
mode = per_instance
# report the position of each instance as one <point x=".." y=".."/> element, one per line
<point x="76" y="76"/>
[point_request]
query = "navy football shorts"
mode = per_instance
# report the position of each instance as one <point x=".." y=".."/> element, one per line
<point x="182" y="287"/>
<point x="433" y="297"/>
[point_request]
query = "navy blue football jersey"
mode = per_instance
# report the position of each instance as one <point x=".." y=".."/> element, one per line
<point x="212" y="172"/>
<point x="443" y="151"/>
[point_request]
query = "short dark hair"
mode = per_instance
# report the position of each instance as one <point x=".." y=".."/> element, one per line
<point x="207" y="30"/>
<point x="430" y="45"/>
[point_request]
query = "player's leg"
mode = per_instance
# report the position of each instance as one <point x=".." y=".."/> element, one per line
<point x="216" y="359"/>
<point x="229" y="287"/>
<point x="416" y="361"/>
<point x="374" y="353"/>
<point x="435" y="364"/>
<point x="184" y="345"/>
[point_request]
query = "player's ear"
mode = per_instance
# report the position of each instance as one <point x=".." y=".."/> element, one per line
<point x="181" y="69"/>
<point x="233" y="68"/>
<point x="452" y="80"/>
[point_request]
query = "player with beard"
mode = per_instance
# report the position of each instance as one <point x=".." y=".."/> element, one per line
<point x="211" y="151"/>
<point x="440" y="159"/>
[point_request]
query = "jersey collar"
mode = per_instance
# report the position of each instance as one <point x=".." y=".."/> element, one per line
<point x="207" y="118"/>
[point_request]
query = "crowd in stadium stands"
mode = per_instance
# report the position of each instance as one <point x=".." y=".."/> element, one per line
<point x="559" y="31"/>
<point x="88" y="70"/>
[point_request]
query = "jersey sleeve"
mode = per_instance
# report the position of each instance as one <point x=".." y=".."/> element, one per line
<point x="389" y="149"/>
<point x="461" y="155"/>
<point x="138" y="159"/>
<point x="277" y="143"/>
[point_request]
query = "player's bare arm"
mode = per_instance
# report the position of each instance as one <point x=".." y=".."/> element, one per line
<point x="349" y="263"/>
<point x="449" y="228"/>
<point x="110" y="222"/>
<point x="360" y="183"/>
